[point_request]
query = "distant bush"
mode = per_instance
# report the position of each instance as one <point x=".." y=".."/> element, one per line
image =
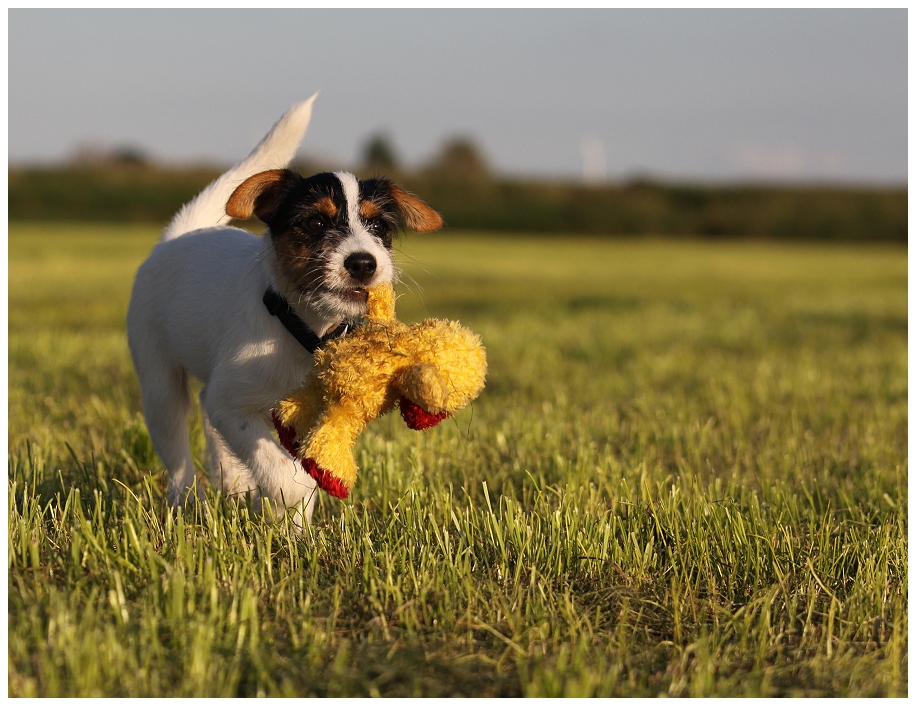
<point x="470" y="198"/>
<point x="110" y="191"/>
<point x="811" y="213"/>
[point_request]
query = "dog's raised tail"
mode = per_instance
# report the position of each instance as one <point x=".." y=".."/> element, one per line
<point x="275" y="151"/>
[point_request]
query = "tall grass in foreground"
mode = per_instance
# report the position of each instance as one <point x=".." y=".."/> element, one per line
<point x="687" y="476"/>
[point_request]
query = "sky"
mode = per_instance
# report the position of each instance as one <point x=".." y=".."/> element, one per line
<point x="697" y="95"/>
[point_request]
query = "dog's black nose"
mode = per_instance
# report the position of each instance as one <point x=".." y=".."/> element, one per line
<point x="360" y="265"/>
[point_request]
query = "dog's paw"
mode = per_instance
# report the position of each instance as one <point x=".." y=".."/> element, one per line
<point x="325" y="479"/>
<point x="418" y="418"/>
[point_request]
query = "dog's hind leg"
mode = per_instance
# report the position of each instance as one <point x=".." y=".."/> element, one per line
<point x="166" y="407"/>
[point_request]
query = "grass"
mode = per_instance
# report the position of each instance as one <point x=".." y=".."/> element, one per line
<point x="687" y="476"/>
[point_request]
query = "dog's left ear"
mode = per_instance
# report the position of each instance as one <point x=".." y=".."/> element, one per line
<point x="260" y="194"/>
<point x="417" y="215"/>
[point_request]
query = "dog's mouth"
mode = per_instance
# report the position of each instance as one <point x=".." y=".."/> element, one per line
<point x="357" y="295"/>
<point x="334" y="302"/>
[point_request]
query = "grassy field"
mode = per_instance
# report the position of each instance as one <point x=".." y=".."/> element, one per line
<point x="687" y="476"/>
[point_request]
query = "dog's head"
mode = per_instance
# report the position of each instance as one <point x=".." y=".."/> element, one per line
<point x="331" y="233"/>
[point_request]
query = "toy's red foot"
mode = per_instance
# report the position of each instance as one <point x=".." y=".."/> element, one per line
<point x="418" y="418"/>
<point x="287" y="436"/>
<point x="326" y="481"/>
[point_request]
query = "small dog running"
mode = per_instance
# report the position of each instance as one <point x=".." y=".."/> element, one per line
<point x="229" y="308"/>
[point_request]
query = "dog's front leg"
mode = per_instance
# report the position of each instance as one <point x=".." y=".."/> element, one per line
<point x="226" y="472"/>
<point x="280" y="478"/>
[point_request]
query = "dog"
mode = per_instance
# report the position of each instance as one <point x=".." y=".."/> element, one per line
<point x="216" y="302"/>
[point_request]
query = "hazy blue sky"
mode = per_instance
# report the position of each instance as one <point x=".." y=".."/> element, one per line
<point x="711" y="95"/>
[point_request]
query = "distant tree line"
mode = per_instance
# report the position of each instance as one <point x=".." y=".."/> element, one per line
<point x="126" y="186"/>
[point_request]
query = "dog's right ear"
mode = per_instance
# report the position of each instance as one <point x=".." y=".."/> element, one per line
<point x="260" y="194"/>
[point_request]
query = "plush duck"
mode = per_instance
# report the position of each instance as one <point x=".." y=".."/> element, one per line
<point x="430" y="370"/>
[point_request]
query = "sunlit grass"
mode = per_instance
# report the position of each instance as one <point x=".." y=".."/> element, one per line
<point x="687" y="476"/>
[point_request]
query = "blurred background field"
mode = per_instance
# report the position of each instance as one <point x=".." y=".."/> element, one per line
<point x="687" y="475"/>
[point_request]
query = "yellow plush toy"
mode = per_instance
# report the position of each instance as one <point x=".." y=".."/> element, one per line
<point x="430" y="370"/>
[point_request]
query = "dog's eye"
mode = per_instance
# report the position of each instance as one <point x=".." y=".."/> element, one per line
<point x="377" y="227"/>
<point x="315" y="224"/>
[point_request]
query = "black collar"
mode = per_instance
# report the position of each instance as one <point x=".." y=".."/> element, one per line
<point x="279" y="307"/>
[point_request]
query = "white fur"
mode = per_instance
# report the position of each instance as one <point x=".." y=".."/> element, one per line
<point x="196" y="309"/>
<point x="359" y="239"/>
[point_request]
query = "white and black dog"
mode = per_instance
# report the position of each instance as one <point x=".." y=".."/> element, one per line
<point x="216" y="303"/>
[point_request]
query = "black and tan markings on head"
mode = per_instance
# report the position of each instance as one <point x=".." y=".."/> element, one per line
<point x="331" y="232"/>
